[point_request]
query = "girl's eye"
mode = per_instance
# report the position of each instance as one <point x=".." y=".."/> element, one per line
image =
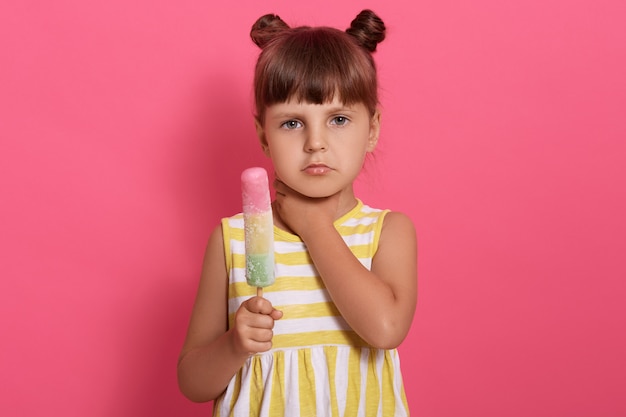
<point x="291" y="124"/>
<point x="339" y="120"/>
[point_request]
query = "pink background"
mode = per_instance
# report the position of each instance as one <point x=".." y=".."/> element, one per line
<point x="124" y="127"/>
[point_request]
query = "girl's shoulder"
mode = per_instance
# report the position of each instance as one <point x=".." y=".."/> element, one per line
<point x="398" y="226"/>
<point x="399" y="218"/>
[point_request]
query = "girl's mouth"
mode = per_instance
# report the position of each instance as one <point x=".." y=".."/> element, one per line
<point x="317" y="169"/>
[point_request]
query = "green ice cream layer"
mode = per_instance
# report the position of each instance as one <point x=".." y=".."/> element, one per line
<point x="260" y="270"/>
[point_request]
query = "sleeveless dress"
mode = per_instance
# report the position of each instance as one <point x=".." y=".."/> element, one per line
<point x="318" y="366"/>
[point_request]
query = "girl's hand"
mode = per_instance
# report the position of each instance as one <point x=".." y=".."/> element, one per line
<point x="303" y="214"/>
<point x="254" y="321"/>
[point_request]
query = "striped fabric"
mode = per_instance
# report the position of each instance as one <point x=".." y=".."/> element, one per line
<point x="318" y="366"/>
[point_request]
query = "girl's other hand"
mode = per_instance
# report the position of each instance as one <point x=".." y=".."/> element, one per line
<point x="254" y="321"/>
<point x="302" y="214"/>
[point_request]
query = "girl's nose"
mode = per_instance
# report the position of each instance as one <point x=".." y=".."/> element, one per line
<point x="315" y="142"/>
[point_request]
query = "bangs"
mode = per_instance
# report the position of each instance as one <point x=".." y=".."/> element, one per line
<point x="313" y="66"/>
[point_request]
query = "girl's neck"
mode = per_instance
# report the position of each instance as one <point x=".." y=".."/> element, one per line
<point x="347" y="202"/>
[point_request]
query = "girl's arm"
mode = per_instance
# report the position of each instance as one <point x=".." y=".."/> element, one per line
<point x="379" y="303"/>
<point x="212" y="354"/>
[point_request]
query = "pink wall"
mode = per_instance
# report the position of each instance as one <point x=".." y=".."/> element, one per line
<point x="124" y="127"/>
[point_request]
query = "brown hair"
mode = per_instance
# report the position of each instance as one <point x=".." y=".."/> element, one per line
<point x="313" y="64"/>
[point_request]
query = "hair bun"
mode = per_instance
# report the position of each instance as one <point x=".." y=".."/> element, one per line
<point x="266" y="28"/>
<point x="368" y="29"/>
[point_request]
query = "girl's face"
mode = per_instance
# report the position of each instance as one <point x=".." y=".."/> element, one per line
<point x="318" y="149"/>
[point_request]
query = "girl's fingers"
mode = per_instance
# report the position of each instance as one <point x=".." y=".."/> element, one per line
<point x="261" y="335"/>
<point x="280" y="187"/>
<point x="259" y="305"/>
<point x="258" y="313"/>
<point x="276" y="314"/>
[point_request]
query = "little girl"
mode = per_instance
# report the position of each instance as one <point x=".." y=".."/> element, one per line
<point x="322" y="341"/>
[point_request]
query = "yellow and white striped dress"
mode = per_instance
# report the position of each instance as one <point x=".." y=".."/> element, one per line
<point x="318" y="366"/>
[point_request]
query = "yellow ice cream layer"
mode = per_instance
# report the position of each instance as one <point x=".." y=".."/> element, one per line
<point x="259" y="241"/>
<point x="259" y="232"/>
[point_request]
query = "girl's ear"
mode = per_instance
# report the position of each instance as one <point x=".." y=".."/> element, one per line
<point x="260" y="132"/>
<point x="374" y="131"/>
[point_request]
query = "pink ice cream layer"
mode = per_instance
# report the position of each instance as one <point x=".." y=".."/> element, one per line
<point x="255" y="191"/>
